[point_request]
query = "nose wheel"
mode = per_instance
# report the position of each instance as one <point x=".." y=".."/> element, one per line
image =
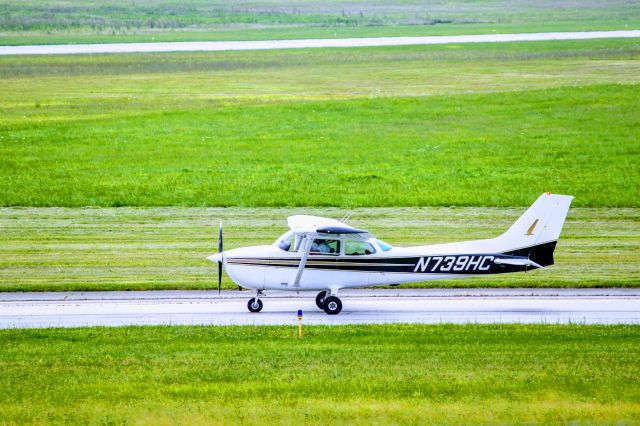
<point x="255" y="304"/>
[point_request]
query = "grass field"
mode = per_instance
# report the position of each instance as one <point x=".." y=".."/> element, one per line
<point x="401" y="374"/>
<point x="142" y="248"/>
<point x="57" y="21"/>
<point x="414" y="126"/>
<point x="108" y="164"/>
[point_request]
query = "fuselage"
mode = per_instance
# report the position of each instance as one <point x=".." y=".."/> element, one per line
<point x="271" y="267"/>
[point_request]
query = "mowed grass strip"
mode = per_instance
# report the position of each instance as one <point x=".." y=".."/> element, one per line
<point x="61" y="249"/>
<point x="410" y="374"/>
<point x="496" y="150"/>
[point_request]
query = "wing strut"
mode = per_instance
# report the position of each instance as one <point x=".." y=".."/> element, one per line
<point x="303" y="260"/>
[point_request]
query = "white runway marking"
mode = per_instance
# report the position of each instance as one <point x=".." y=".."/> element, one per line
<point x="216" y="46"/>
<point x="588" y="306"/>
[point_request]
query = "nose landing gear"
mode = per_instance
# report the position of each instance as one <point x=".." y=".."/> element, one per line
<point x="255" y="304"/>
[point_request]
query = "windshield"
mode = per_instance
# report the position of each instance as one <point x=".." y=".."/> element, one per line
<point x="286" y="241"/>
<point x="383" y="246"/>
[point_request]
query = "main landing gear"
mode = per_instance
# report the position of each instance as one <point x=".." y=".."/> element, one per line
<point x="330" y="304"/>
<point x="320" y="299"/>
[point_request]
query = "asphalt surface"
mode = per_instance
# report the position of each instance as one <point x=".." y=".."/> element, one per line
<point x="64" y="49"/>
<point x="77" y="309"/>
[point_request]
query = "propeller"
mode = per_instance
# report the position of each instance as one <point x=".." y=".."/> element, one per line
<point x="220" y="245"/>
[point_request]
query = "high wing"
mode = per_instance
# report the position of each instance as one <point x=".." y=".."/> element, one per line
<point x="302" y="222"/>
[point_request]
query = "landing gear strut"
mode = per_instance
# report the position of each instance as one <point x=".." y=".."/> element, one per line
<point x="320" y="299"/>
<point x="255" y="304"/>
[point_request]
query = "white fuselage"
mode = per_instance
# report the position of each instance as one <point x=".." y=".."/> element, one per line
<point x="269" y="267"/>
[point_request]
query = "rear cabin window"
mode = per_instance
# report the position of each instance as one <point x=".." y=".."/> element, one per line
<point x="384" y="246"/>
<point x="358" y="248"/>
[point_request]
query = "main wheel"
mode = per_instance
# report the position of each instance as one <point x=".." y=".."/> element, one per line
<point x="254" y="305"/>
<point x="320" y="299"/>
<point x="332" y="305"/>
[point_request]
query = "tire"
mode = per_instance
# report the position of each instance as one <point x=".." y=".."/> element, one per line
<point x="255" y="305"/>
<point x="320" y="299"/>
<point x="332" y="305"/>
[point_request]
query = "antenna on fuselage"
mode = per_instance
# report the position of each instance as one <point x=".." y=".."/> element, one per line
<point x="346" y="217"/>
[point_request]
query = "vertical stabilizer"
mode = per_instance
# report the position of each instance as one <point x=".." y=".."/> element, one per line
<point x="536" y="232"/>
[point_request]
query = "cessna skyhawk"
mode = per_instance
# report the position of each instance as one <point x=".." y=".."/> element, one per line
<point x="327" y="255"/>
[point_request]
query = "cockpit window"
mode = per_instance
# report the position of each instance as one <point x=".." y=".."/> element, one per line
<point x="325" y="246"/>
<point x="285" y="245"/>
<point x="384" y="246"/>
<point x="352" y="247"/>
<point x="286" y="242"/>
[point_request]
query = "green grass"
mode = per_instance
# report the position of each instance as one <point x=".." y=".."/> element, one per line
<point x="413" y="126"/>
<point x="56" y="21"/>
<point x="61" y="249"/>
<point x="409" y="374"/>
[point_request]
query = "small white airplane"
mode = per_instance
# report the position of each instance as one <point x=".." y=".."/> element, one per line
<point x="327" y="255"/>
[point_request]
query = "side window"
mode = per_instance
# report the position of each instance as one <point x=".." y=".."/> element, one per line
<point x="358" y="248"/>
<point x="324" y="246"/>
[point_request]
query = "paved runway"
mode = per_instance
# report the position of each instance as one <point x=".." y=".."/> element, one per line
<point x="210" y="46"/>
<point x="76" y="309"/>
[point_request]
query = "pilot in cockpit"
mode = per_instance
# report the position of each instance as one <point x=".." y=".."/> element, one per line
<point x="321" y="246"/>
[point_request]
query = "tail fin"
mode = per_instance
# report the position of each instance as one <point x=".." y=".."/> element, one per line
<point x="536" y="232"/>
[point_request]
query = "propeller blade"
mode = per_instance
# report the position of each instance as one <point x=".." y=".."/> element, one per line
<point x="220" y="247"/>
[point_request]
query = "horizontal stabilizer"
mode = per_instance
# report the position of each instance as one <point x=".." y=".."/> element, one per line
<point x="518" y="262"/>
